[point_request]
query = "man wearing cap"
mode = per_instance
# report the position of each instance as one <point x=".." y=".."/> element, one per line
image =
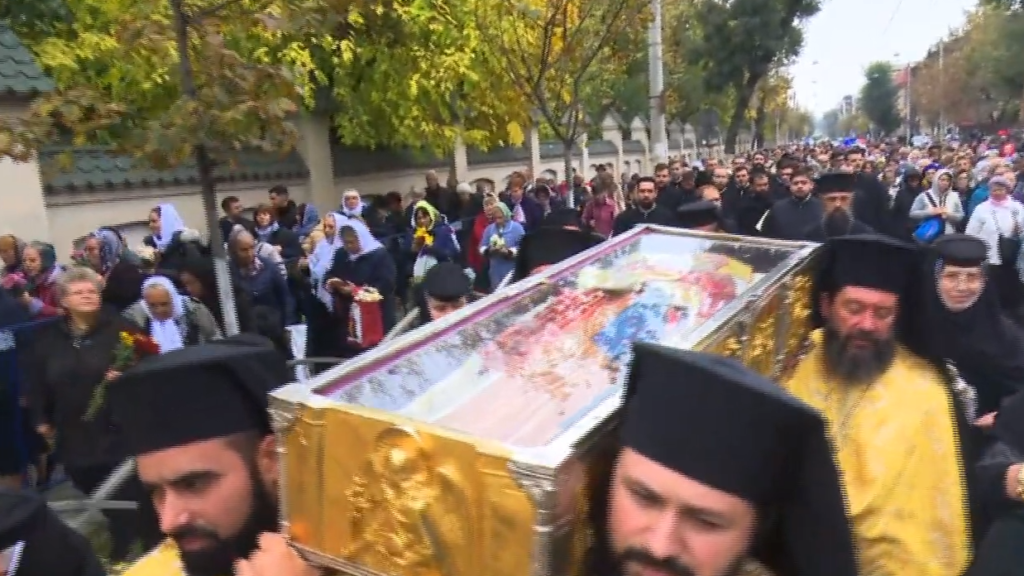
<point x="895" y="422"/>
<point x="835" y="190"/>
<point x="548" y="246"/>
<point x="196" y="422"/>
<point x="446" y="289"/>
<point x="720" y="473"/>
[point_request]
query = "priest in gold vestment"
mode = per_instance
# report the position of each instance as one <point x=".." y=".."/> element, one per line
<point x="196" y="422"/>
<point x="893" y="419"/>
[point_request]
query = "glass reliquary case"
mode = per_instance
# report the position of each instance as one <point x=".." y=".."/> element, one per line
<point x="468" y="446"/>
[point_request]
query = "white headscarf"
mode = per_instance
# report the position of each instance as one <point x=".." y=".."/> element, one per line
<point x="367" y="242"/>
<point x="323" y="256"/>
<point x="167" y="333"/>
<point x="170" y="222"/>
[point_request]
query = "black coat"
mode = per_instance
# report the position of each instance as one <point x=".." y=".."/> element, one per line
<point x="123" y="286"/>
<point x="62" y="372"/>
<point x="789" y="219"/>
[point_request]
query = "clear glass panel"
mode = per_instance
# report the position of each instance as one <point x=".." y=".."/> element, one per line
<point x="522" y="372"/>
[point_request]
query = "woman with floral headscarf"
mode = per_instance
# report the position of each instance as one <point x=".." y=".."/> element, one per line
<point x="500" y="243"/>
<point x="433" y="240"/>
<point x="37" y="279"/>
<point x="104" y="252"/>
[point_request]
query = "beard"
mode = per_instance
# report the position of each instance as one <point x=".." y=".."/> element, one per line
<point x="853" y="365"/>
<point x="642" y="558"/>
<point x="837" y="223"/>
<point x="218" y="557"/>
<point x="645" y="204"/>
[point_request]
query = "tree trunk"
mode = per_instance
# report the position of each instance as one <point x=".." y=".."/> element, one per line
<point x="746" y="92"/>
<point x="760" y="117"/>
<point x="207" y="183"/>
<point x="567" y="146"/>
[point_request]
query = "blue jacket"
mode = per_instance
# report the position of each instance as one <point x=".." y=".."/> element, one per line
<point x="267" y="288"/>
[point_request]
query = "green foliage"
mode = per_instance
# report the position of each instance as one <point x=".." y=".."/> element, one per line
<point x="562" y="54"/>
<point x="412" y="73"/>
<point x="878" y="97"/>
<point x="742" y="42"/>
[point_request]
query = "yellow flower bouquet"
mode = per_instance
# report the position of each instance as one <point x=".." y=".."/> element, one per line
<point x="424" y="235"/>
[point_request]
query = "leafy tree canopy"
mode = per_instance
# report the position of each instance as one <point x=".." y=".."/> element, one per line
<point x="741" y="42"/>
<point x="878" y="97"/>
<point x="565" y="56"/>
<point x="400" y="74"/>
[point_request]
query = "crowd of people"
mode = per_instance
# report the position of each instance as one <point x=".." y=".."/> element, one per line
<point x="911" y="381"/>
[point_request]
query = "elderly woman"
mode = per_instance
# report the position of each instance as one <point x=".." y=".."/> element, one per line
<point x="362" y="262"/>
<point x="173" y="241"/>
<point x="258" y="278"/>
<point x="173" y="321"/>
<point x="67" y="370"/>
<point x="104" y="253"/>
<point x="323" y="334"/>
<point x="352" y="206"/>
<point x="999" y="221"/>
<point x="40" y="271"/>
<point x="500" y="242"/>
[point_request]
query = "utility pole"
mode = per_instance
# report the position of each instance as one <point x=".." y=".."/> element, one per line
<point x="655" y="57"/>
<point x="910" y="79"/>
<point x="942" y="93"/>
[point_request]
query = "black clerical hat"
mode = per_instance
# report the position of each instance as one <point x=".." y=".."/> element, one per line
<point x="868" y="261"/>
<point x="446" y="281"/>
<point x="39" y="542"/>
<point x="961" y="250"/>
<point x="715" y="421"/>
<point x="696" y="214"/>
<point x="547" y="246"/>
<point x="835" y="182"/>
<point x="703" y="178"/>
<point x="197" y="393"/>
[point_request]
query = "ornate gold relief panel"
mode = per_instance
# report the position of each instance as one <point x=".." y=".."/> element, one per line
<point x="303" y="491"/>
<point x="404" y="502"/>
<point x="801" y="314"/>
<point x="729" y="343"/>
<point x="761" y="351"/>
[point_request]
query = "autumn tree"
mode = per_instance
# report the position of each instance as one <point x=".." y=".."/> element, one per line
<point x="742" y="42"/>
<point x="560" y="53"/>
<point x="830" y="123"/>
<point x="878" y="98"/>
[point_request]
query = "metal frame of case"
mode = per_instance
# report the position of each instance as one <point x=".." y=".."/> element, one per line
<point x="757" y="328"/>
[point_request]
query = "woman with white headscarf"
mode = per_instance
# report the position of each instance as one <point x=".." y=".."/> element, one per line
<point x="361" y="262"/>
<point x="172" y="320"/>
<point x="173" y="241"/>
<point x="322" y="329"/>
<point x="352" y="206"/>
<point x="937" y="202"/>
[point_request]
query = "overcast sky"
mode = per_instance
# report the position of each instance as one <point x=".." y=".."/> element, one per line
<point x="847" y="35"/>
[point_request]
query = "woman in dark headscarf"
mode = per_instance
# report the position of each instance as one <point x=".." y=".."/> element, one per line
<point x="967" y="325"/>
<point x="104" y="252"/>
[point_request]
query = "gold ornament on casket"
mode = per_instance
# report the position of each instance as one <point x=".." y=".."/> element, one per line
<point x="475" y="444"/>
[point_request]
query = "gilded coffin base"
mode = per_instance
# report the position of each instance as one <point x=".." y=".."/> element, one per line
<point x="476" y="444"/>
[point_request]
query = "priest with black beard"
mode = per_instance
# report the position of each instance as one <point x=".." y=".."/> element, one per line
<point x="196" y="422"/>
<point x="901" y="433"/>
<point x="835" y="190"/>
<point x="719" y="473"/>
